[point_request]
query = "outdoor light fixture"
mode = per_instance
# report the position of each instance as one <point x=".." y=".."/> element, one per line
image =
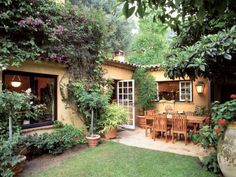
<point x="16" y="82"/>
<point x="200" y="87"/>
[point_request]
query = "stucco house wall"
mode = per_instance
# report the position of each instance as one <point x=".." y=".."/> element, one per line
<point x="112" y="70"/>
<point x="64" y="113"/>
<point x="116" y="72"/>
<point x="198" y="99"/>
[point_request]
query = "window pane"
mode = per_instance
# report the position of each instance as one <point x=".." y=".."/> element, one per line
<point x="168" y="90"/>
<point x="42" y="87"/>
<point x="44" y="91"/>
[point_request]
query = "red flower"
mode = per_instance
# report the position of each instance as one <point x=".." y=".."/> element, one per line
<point x="218" y="130"/>
<point x="221" y="122"/>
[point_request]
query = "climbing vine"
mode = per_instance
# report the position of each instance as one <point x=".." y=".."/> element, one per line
<point x="44" y="29"/>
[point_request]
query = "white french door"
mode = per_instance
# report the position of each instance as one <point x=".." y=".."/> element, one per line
<point x="125" y="98"/>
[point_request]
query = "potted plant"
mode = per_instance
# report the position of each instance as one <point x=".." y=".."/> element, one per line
<point x="113" y="116"/>
<point x="92" y="101"/>
<point x="92" y="139"/>
<point x="145" y="93"/>
<point x="14" y="107"/>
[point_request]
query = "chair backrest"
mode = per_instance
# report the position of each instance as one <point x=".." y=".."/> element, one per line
<point x="160" y="122"/>
<point x="188" y="113"/>
<point x="179" y="123"/>
<point x="150" y="112"/>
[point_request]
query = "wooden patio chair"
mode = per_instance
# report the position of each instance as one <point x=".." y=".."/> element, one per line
<point x="149" y="116"/>
<point x="160" y="125"/>
<point x="179" y="126"/>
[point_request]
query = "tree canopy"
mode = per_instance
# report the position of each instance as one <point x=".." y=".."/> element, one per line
<point x="150" y="44"/>
<point x="205" y="34"/>
<point x="118" y="35"/>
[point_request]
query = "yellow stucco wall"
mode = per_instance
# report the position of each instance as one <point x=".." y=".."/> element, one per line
<point x="69" y="116"/>
<point x="64" y="113"/>
<point x="113" y="72"/>
<point x="198" y="99"/>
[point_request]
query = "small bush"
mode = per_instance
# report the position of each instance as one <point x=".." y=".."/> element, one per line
<point x="62" y="139"/>
<point x="8" y="156"/>
<point x="54" y="143"/>
<point x="211" y="164"/>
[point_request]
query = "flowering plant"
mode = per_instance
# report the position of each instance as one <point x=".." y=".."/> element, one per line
<point x="221" y="116"/>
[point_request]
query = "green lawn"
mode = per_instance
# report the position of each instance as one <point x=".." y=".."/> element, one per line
<point x="116" y="160"/>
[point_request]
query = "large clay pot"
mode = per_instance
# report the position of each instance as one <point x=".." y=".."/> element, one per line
<point x="93" y="140"/>
<point x="226" y="152"/>
<point x="19" y="166"/>
<point x="141" y="121"/>
<point x="112" y="133"/>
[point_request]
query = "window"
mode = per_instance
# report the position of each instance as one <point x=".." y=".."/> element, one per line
<point x="174" y="90"/>
<point x="43" y="86"/>
<point x="185" y="91"/>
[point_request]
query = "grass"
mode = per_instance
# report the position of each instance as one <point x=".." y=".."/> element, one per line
<point x="116" y="160"/>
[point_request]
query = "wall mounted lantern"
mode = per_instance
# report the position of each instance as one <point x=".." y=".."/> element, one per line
<point x="16" y="82"/>
<point x="200" y="87"/>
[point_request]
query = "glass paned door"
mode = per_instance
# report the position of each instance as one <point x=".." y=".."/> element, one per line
<point x="125" y="98"/>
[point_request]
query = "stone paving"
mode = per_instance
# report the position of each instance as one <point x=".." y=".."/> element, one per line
<point x="137" y="138"/>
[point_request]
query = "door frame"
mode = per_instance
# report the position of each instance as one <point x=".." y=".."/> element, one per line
<point x="133" y="101"/>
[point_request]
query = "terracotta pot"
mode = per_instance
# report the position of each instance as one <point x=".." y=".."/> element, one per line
<point x="112" y="133"/>
<point x="141" y="121"/>
<point x="226" y="151"/>
<point x="19" y="166"/>
<point x="93" y="140"/>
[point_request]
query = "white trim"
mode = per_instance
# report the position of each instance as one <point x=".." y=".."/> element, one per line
<point x="191" y="90"/>
<point x="127" y="99"/>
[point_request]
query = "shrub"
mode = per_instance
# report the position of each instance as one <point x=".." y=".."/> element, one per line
<point x="8" y="156"/>
<point x="211" y="164"/>
<point x="208" y="137"/>
<point x="56" y="142"/>
<point x="113" y="116"/>
<point x="146" y="89"/>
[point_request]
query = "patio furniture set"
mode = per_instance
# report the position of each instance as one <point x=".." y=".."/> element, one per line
<point x="171" y="124"/>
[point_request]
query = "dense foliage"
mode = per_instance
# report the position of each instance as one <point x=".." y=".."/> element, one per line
<point x="8" y="156"/>
<point x="150" y="44"/>
<point x="198" y="23"/>
<point x="55" y="143"/>
<point x="113" y="116"/>
<point x="95" y="99"/>
<point x="119" y="34"/>
<point x="221" y="115"/>
<point x="145" y="89"/>
<point x="211" y="54"/>
<point x="209" y="135"/>
<point x="17" y="106"/>
<point x="45" y="29"/>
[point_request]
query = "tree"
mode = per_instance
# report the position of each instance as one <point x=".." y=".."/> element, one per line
<point x="118" y="35"/>
<point x="150" y="44"/>
<point x="198" y="23"/>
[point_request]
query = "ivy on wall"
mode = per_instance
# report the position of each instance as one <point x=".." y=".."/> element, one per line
<point x="44" y="29"/>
